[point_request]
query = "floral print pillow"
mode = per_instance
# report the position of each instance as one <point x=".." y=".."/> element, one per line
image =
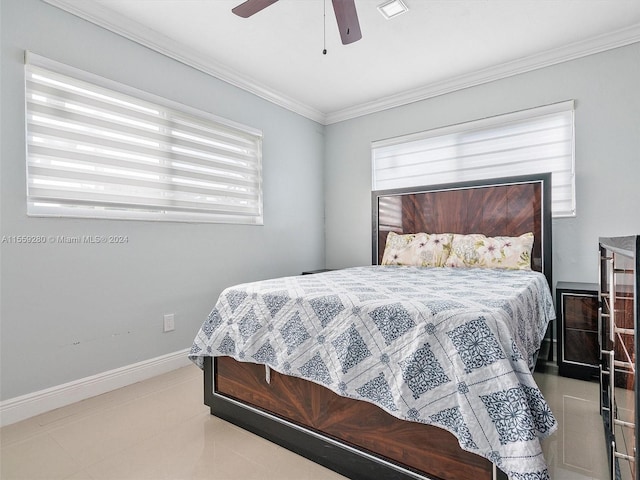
<point x="417" y="249"/>
<point x="477" y="250"/>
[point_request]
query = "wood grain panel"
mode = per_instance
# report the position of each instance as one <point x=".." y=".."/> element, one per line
<point x="357" y="423"/>
<point x="581" y="346"/>
<point x="492" y="205"/>
<point x="511" y="209"/>
<point x="580" y="312"/>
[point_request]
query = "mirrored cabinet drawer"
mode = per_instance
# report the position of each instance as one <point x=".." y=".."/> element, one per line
<point x="577" y="329"/>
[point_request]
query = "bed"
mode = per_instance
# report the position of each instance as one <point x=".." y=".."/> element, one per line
<point x="400" y="371"/>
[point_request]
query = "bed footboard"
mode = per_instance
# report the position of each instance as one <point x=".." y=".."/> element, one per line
<point x="356" y="439"/>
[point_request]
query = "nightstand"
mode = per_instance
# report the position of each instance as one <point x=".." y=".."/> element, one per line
<point x="577" y="329"/>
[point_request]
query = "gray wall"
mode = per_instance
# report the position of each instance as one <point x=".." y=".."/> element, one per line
<point x="71" y="311"/>
<point x="607" y="152"/>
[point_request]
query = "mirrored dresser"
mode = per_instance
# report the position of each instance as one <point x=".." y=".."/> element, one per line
<point x="618" y="334"/>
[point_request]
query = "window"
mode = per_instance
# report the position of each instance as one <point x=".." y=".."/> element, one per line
<point x="533" y="141"/>
<point x="96" y="148"/>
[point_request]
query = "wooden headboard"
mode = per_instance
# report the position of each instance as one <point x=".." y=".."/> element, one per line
<point x="498" y="207"/>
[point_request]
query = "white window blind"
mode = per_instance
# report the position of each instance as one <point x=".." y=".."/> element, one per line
<point x="96" y="148"/>
<point x="533" y="141"/>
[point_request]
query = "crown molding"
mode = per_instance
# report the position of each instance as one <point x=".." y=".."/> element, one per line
<point x="132" y="30"/>
<point x="138" y="33"/>
<point x="601" y="43"/>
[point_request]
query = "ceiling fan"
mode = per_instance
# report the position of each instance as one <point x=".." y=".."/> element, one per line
<point x="345" y="11"/>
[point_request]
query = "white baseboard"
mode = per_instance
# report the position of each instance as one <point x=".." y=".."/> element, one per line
<point x="20" y="408"/>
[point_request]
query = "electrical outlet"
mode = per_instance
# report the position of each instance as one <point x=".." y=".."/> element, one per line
<point x="169" y="322"/>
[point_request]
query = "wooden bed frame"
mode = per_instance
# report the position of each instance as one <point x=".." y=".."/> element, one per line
<point x="355" y="438"/>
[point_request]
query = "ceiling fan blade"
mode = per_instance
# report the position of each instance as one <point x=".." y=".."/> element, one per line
<point x="347" y="19"/>
<point x="248" y="8"/>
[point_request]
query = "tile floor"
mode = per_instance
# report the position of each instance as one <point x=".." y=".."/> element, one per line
<point x="159" y="429"/>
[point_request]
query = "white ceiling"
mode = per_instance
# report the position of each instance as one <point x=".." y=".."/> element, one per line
<point x="436" y="47"/>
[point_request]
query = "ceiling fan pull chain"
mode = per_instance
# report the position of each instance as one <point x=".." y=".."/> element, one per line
<point x="324" y="27"/>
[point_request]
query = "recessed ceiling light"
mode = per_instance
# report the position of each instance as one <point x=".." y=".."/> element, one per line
<point x="392" y="8"/>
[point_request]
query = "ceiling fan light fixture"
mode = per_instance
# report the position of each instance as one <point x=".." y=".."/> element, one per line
<point x="392" y="8"/>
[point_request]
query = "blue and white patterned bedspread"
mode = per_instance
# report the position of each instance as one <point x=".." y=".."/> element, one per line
<point x="450" y="347"/>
